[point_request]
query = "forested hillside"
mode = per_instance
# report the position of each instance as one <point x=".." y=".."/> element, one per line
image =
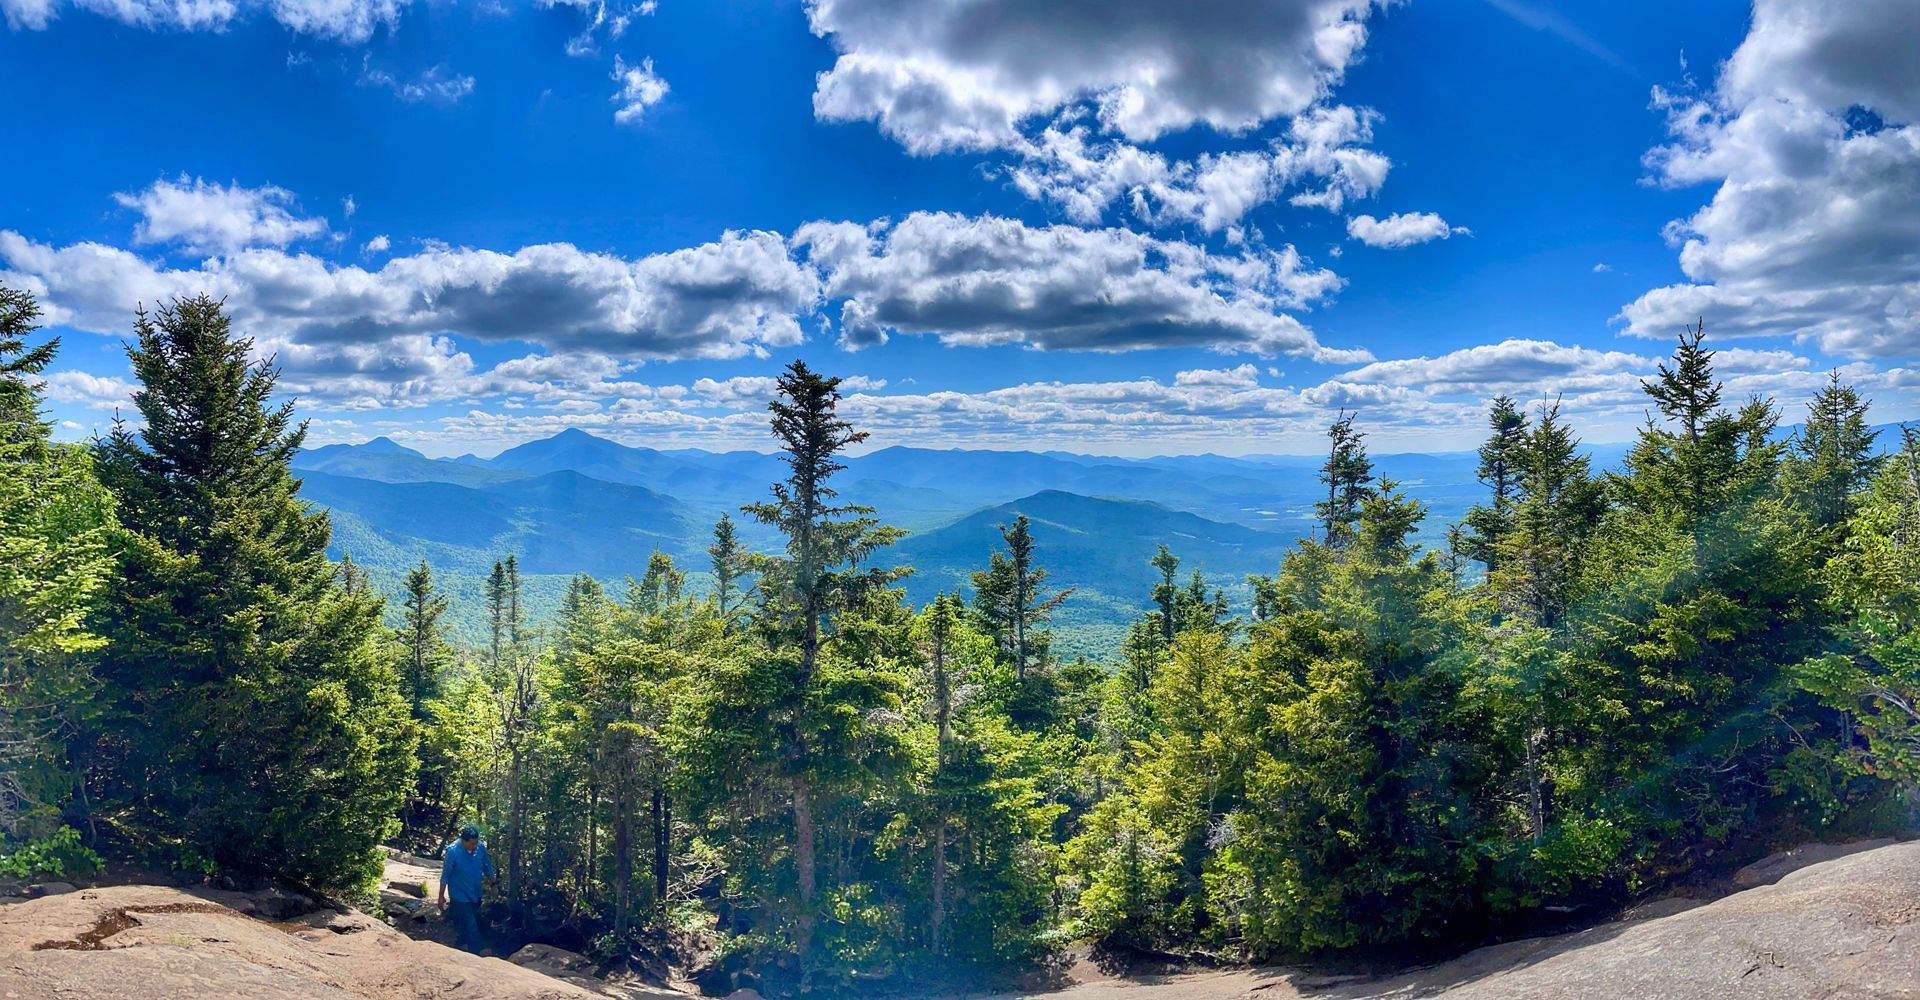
<point x="1230" y="517"/>
<point x="777" y="741"/>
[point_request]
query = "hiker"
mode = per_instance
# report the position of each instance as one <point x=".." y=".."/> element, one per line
<point x="464" y="866"/>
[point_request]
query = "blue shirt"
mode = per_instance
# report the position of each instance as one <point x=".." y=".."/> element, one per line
<point x="461" y="871"/>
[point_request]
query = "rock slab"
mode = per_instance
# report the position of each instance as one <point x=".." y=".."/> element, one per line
<point x="137" y="942"/>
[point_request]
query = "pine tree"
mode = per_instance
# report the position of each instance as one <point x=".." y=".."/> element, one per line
<point x="422" y="637"/>
<point x="1347" y="472"/>
<point x="19" y="393"/>
<point x="514" y="666"/>
<point x="55" y="522"/>
<point x="729" y="562"/>
<point x="1688" y="395"/>
<point x="1556" y="508"/>
<point x="1166" y="596"/>
<point x="819" y="575"/>
<point x="1499" y="469"/>
<point x="256" y="715"/>
<point x="1011" y="600"/>
<point x="1833" y="455"/>
<point x="945" y="681"/>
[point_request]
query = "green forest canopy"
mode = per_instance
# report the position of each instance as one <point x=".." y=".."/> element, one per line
<point x="1711" y="648"/>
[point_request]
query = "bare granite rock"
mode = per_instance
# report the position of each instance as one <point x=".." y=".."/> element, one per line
<point x="130" y="942"/>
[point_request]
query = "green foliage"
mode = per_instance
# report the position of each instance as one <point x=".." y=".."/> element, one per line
<point x="54" y="525"/>
<point x="239" y="671"/>
<point x="1870" y="669"/>
<point x="61" y="855"/>
<point x="1712" y="645"/>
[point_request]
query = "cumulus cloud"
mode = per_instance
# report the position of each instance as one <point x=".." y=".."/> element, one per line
<point x="977" y="281"/>
<point x="640" y="88"/>
<point x="347" y="21"/>
<point x="379" y="244"/>
<point x="353" y="328"/>
<point x="436" y="85"/>
<point x="1321" y="150"/>
<point x="206" y="217"/>
<point x="1074" y="91"/>
<point x="1524" y="365"/>
<point x="1811" y="133"/>
<point x="964" y="74"/>
<point x="97" y="392"/>
<point x="1403" y="229"/>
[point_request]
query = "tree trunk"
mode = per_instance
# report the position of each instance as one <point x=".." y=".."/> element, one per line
<point x="588" y="873"/>
<point x="939" y="881"/>
<point x="662" y="820"/>
<point x="1536" y="796"/>
<point x="803" y="865"/>
<point x="513" y="831"/>
<point x="622" y="862"/>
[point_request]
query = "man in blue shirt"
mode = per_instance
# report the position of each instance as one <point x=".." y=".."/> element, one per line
<point x="464" y="866"/>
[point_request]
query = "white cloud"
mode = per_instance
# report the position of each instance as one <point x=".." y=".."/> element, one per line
<point x="977" y="281"/>
<point x="350" y="329"/>
<point x="610" y="17"/>
<point x="204" y="217"/>
<point x="347" y="21"/>
<point x="1602" y="268"/>
<point x="97" y="392"/>
<point x="941" y="75"/>
<point x="435" y="85"/>
<point x="1074" y="91"/>
<point x="1812" y="135"/>
<point x="1525" y="366"/>
<point x="640" y="88"/>
<point x="1068" y="165"/>
<point x="1403" y="229"/>
<point x="379" y="244"/>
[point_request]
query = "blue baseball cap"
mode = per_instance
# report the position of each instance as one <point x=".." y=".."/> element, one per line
<point x="469" y="832"/>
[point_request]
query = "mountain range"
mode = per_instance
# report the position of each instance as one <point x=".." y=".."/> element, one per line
<point x="575" y="503"/>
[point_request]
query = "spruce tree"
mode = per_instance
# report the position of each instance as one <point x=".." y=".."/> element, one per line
<point x="729" y="566"/>
<point x="55" y="523"/>
<point x="819" y="575"/>
<point x="256" y="717"/>
<point x="422" y="638"/>
<point x="19" y="364"/>
<point x="1010" y="600"/>
<point x="1688" y="395"/>
<point x="1346" y="473"/>
<point x="1166" y="596"/>
<point x="1556" y="509"/>
<point x="1833" y="458"/>
<point x="1487" y="524"/>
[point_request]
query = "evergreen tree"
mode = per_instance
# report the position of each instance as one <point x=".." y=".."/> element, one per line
<point x="1346" y="473"/>
<point x="514" y="670"/>
<point x="1499" y="469"/>
<point x="1688" y="395"/>
<point x="55" y="522"/>
<point x="256" y="716"/>
<point x="1555" y="509"/>
<point x="820" y="574"/>
<point x="19" y="364"/>
<point x="426" y="655"/>
<point x="1870" y="668"/>
<point x="1011" y="600"/>
<point x="729" y="563"/>
<point x="1833" y="457"/>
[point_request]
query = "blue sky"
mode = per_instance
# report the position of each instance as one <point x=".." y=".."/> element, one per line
<point x="1105" y="227"/>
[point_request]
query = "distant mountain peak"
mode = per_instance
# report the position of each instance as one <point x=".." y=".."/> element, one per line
<point x="387" y="445"/>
